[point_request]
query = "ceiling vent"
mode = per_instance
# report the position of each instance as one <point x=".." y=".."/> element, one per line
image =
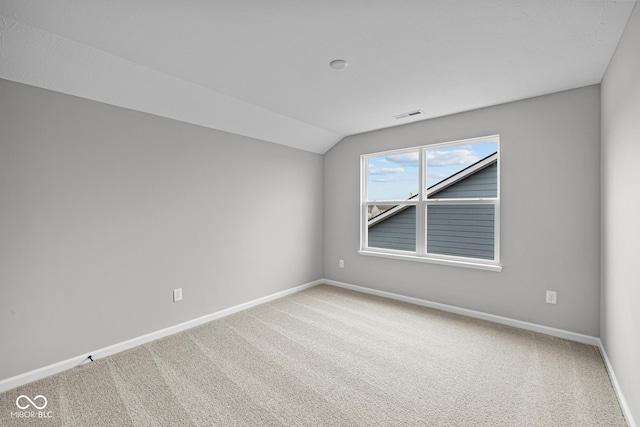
<point x="409" y="114"/>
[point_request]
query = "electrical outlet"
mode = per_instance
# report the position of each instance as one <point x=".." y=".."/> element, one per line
<point x="552" y="297"/>
<point x="341" y="263"/>
<point x="177" y="295"/>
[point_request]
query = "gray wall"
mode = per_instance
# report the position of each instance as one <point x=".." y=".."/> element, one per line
<point x="620" y="327"/>
<point x="105" y="210"/>
<point x="550" y="212"/>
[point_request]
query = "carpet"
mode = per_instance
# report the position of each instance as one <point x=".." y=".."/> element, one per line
<point x="333" y="357"/>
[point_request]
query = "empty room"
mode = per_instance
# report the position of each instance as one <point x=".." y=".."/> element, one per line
<point x="319" y="213"/>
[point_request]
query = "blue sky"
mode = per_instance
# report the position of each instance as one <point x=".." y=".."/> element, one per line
<point x="396" y="177"/>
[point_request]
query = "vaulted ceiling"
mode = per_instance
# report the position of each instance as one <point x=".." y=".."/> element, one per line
<point x="261" y="68"/>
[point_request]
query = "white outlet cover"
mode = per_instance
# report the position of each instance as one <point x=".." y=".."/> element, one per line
<point x="177" y="295"/>
<point x="551" y="297"/>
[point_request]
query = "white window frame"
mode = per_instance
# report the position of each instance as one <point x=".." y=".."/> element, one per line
<point x="421" y="203"/>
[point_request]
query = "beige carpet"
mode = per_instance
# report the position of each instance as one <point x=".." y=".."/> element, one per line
<point x="328" y="356"/>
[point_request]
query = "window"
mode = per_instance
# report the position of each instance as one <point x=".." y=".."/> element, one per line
<point x="436" y="203"/>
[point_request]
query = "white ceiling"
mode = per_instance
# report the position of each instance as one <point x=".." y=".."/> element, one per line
<point x="261" y="68"/>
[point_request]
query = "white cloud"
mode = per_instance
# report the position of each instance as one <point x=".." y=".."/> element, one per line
<point x="451" y="157"/>
<point x="387" y="178"/>
<point x="408" y="159"/>
<point x="394" y="178"/>
<point x="384" y="171"/>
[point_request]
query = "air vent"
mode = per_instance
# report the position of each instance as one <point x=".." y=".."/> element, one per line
<point x="409" y="114"/>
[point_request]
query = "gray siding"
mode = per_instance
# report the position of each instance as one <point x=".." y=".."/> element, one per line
<point x="483" y="183"/>
<point x="461" y="230"/>
<point x="396" y="232"/>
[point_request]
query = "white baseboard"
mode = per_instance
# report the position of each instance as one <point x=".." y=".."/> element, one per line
<point x="573" y="336"/>
<point x="626" y="411"/>
<point x="22" y="379"/>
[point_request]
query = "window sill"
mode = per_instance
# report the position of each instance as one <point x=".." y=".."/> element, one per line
<point x="464" y="264"/>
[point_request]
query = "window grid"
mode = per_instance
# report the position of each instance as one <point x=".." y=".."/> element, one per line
<point x="423" y="201"/>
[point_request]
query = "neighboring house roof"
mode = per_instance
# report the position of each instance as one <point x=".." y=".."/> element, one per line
<point x="438" y="187"/>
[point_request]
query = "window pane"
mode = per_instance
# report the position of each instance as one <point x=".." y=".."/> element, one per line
<point x="375" y="210"/>
<point x="477" y="183"/>
<point x="451" y="165"/>
<point x="393" y="177"/>
<point x="461" y="230"/>
<point x="394" y="229"/>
